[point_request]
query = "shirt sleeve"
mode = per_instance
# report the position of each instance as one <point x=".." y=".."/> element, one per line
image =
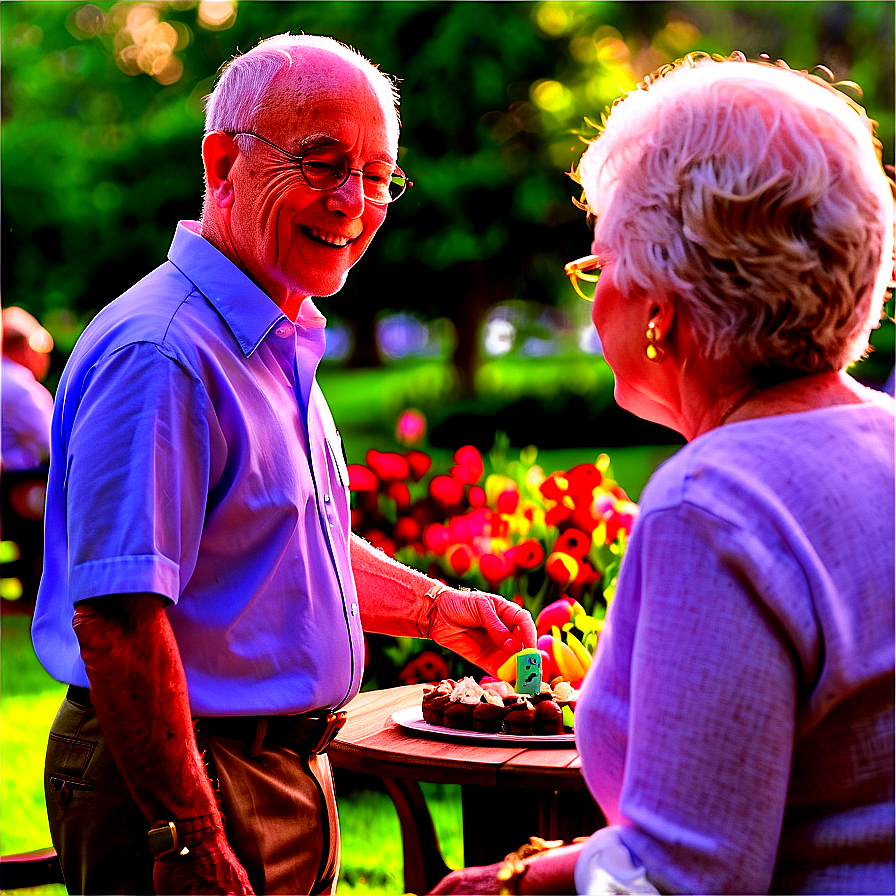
<point x="712" y="706"/>
<point x="137" y="475"/>
<point x="605" y="866"/>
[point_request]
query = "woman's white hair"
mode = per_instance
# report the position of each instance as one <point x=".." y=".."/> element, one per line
<point x="243" y="81"/>
<point x="754" y="194"/>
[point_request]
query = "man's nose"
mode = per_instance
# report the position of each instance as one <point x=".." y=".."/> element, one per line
<point x="349" y="198"/>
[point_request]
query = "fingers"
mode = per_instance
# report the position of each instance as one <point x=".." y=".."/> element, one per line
<point x="519" y="621"/>
<point x="514" y="619"/>
<point x="496" y="628"/>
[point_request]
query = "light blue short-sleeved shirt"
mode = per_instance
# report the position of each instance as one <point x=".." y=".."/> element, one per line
<point x="193" y="456"/>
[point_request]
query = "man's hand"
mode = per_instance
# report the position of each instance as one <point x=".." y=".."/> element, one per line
<point x="211" y="867"/>
<point x="482" y="628"/>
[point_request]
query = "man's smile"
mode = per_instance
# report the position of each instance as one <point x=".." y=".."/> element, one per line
<point x="328" y="239"/>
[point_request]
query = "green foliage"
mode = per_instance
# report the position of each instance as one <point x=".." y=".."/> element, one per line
<point x="100" y="157"/>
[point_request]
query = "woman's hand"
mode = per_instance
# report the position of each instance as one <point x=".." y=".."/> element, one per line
<point x="550" y="871"/>
<point x="481" y="879"/>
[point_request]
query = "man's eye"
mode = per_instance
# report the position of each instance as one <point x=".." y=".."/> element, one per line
<point x="377" y="177"/>
<point x="320" y="166"/>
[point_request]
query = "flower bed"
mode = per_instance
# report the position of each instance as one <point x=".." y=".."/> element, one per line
<point x="551" y="543"/>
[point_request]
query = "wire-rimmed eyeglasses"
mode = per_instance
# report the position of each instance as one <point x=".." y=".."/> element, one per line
<point x="584" y="270"/>
<point x="327" y="168"/>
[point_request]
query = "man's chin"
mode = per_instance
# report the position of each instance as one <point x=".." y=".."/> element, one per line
<point x="326" y="286"/>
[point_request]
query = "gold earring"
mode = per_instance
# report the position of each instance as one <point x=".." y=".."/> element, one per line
<point x="654" y="350"/>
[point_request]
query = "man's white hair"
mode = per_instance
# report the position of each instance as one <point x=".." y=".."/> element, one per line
<point x="755" y="195"/>
<point x="244" y="81"/>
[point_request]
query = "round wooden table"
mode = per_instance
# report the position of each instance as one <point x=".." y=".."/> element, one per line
<point x="509" y="792"/>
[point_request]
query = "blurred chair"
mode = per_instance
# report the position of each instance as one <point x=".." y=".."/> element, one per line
<point x="30" y="869"/>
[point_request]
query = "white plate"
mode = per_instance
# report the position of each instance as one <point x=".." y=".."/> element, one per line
<point x="412" y="720"/>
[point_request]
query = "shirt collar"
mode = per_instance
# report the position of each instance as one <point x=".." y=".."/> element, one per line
<point x="246" y="309"/>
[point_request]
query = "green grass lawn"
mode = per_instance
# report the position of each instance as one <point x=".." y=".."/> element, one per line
<point x="366" y="405"/>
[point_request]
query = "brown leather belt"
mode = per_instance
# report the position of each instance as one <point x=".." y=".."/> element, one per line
<point x="304" y="733"/>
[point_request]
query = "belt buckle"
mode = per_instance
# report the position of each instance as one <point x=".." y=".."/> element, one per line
<point x="332" y="723"/>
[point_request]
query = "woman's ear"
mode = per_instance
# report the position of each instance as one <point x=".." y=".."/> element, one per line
<point x="662" y="313"/>
<point x="219" y="152"/>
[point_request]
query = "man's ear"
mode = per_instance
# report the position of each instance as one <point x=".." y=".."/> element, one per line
<point x="219" y="152"/>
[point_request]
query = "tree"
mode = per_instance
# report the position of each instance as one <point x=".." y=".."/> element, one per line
<point x="102" y="113"/>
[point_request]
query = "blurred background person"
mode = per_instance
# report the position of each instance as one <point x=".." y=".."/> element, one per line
<point x="25" y="415"/>
<point x="27" y="404"/>
<point x="736" y="727"/>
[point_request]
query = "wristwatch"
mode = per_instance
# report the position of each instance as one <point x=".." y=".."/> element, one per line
<point x="166" y="837"/>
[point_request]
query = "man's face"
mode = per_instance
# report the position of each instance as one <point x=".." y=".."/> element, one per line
<point x="293" y="241"/>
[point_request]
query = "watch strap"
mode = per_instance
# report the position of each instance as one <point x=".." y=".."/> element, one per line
<point x="166" y="837"/>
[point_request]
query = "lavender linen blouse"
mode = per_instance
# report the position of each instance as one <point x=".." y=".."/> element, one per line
<point x="737" y="725"/>
<point x="194" y="456"/>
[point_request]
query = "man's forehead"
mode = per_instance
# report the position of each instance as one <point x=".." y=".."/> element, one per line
<point x="319" y="81"/>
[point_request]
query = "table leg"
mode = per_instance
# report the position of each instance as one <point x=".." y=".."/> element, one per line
<point x="498" y="820"/>
<point x="423" y="863"/>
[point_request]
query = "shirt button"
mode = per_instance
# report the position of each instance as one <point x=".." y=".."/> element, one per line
<point x="354" y="609"/>
<point x="326" y="499"/>
<point x="284" y="330"/>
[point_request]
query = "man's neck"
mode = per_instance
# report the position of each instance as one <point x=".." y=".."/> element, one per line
<point x="210" y="230"/>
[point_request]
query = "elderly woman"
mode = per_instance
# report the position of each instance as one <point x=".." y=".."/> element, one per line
<point x="737" y="725"/>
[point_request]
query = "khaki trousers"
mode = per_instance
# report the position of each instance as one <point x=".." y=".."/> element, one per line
<point x="279" y="810"/>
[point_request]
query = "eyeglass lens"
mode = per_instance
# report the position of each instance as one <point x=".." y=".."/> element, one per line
<point x="328" y="169"/>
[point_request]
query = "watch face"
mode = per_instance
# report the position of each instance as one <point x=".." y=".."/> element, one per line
<point x="162" y="839"/>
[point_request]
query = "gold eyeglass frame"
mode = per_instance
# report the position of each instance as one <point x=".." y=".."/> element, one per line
<point x="577" y="271"/>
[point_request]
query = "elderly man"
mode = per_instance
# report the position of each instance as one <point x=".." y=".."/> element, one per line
<point x="198" y="519"/>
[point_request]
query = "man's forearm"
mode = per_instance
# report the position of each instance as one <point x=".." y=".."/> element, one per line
<point x="392" y="597"/>
<point x="139" y="692"/>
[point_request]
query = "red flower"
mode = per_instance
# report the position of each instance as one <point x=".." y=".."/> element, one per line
<point x="528" y="554"/>
<point x="583" y="517"/>
<point x="555" y="487"/>
<point x="388" y="465"/>
<point x="585" y="578"/>
<point x="508" y="501"/>
<point x="435" y="538"/>
<point x="573" y="542"/>
<point x="360" y="479"/>
<point x="561" y="568"/>
<point x="400" y="494"/>
<point x="460" y="558"/>
<point x="419" y="463"/>
<point x="500" y="527"/>
<point x="495" y="568"/>
<point x="477" y="496"/>
<point x="460" y="530"/>
<point x="559" y="513"/>
<point x="471" y="461"/>
<point x="406" y="530"/>
<point x="446" y="490"/>
<point x="428" y="666"/>
<point x="411" y="427"/>
<point x="382" y="541"/>
<point x="584" y="479"/>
